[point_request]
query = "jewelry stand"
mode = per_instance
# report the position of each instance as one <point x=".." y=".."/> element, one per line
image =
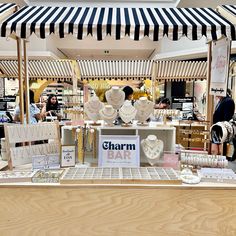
<point x="108" y="114"/>
<point x="144" y="109"/>
<point x="86" y="136"/>
<point x="127" y="113"/>
<point x="92" y="108"/>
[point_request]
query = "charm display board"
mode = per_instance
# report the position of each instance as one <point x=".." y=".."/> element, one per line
<point x="16" y="176"/>
<point x="142" y="175"/>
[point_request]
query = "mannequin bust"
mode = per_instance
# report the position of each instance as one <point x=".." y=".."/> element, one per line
<point x="144" y="109"/>
<point x="152" y="148"/>
<point x="92" y="108"/>
<point x="127" y="112"/>
<point x="108" y="114"/>
<point x="115" y="97"/>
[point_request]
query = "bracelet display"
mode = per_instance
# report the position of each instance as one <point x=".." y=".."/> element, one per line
<point x="203" y="160"/>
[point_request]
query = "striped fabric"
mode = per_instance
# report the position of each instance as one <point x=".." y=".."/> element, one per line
<point x="6" y="7"/>
<point x="181" y="70"/>
<point x="230" y="8"/>
<point x="60" y="70"/>
<point x="135" y="23"/>
<point x="115" y="69"/>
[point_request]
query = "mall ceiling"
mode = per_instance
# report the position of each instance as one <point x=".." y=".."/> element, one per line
<point x="110" y="49"/>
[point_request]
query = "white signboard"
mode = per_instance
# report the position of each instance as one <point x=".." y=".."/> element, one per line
<point x="119" y="151"/>
<point x="49" y="161"/>
<point x="67" y="156"/>
<point x="220" y="67"/>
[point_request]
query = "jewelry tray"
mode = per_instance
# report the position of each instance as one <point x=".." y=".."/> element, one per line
<point x="217" y="175"/>
<point x="106" y="175"/>
<point x="47" y="176"/>
<point x="16" y="176"/>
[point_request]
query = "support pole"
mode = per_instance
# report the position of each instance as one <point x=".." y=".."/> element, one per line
<point x="209" y="98"/>
<point x="26" y="82"/>
<point x="154" y="75"/>
<point x="20" y="78"/>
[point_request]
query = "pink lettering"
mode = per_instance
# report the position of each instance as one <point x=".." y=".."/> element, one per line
<point x="127" y="155"/>
<point x="110" y="154"/>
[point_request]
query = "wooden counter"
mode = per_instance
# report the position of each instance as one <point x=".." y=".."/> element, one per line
<point x="51" y="209"/>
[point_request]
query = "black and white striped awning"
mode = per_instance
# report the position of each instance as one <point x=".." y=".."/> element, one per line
<point x="115" y="69"/>
<point x="229" y="12"/>
<point x="7" y="9"/>
<point x="61" y="70"/>
<point x="181" y="70"/>
<point x="135" y="23"/>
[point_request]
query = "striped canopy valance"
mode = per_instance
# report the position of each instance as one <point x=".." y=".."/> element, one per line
<point x="115" y="69"/>
<point x="7" y="9"/>
<point x="135" y="23"/>
<point x="40" y="69"/>
<point x="229" y="12"/>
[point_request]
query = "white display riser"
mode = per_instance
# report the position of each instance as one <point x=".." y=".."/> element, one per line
<point x="165" y="133"/>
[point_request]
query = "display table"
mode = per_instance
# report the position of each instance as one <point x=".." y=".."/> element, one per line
<point x="53" y="209"/>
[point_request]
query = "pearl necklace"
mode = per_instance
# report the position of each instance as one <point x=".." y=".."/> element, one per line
<point x="127" y="113"/>
<point x="115" y="99"/>
<point x="106" y="116"/>
<point x="152" y="151"/>
<point x="144" y="110"/>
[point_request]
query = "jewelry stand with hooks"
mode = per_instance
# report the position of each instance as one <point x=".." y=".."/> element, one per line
<point x="30" y="134"/>
<point x="81" y="135"/>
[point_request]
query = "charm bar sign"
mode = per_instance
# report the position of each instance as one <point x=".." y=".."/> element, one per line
<point x="119" y="151"/>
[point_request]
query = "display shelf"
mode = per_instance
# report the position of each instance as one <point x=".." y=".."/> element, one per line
<point x="148" y="175"/>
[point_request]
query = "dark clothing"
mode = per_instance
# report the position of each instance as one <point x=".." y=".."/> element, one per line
<point x="224" y="110"/>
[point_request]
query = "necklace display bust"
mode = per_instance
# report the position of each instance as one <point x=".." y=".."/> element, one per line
<point x="108" y="114"/>
<point x="127" y="112"/>
<point x="115" y="97"/>
<point x="144" y="109"/>
<point x="152" y="148"/>
<point x="92" y="108"/>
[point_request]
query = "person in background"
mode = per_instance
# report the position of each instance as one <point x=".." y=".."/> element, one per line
<point x="163" y="103"/>
<point x="128" y="92"/>
<point x="51" y="107"/>
<point x="197" y="115"/>
<point x="224" y="111"/>
<point x="35" y="114"/>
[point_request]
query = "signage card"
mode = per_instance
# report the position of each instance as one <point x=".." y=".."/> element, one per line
<point x="184" y="104"/>
<point x="220" y="67"/>
<point x="44" y="162"/>
<point x="67" y="156"/>
<point x="119" y="151"/>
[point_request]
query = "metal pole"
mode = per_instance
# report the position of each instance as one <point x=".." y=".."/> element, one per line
<point x="154" y="75"/>
<point x="20" y="78"/>
<point x="26" y="83"/>
<point x="209" y="98"/>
